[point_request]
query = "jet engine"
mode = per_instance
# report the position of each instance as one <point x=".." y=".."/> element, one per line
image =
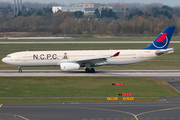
<point x="69" y="66"/>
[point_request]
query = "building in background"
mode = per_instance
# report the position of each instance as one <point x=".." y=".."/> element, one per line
<point x="106" y="7"/>
<point x="5" y="10"/>
<point x="87" y="9"/>
<point x="66" y="9"/>
<point x="73" y="9"/>
<point x="56" y="9"/>
<point x="86" y="5"/>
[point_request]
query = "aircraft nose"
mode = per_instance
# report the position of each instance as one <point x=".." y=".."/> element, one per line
<point x="3" y="60"/>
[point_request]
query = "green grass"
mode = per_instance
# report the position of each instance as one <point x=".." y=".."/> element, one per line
<point x="45" y="100"/>
<point x="145" y="38"/>
<point x="83" y="86"/>
<point x="167" y="62"/>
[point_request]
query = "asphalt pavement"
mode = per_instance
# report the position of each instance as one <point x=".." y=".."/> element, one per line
<point x="90" y="111"/>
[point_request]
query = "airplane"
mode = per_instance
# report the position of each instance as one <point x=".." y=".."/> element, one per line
<point x="69" y="60"/>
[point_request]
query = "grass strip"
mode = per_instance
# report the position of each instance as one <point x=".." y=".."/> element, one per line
<point x="83" y="86"/>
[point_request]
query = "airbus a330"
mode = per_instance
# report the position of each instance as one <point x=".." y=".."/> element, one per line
<point x="74" y="59"/>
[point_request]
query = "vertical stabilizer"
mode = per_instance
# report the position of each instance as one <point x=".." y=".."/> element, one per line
<point x="162" y="41"/>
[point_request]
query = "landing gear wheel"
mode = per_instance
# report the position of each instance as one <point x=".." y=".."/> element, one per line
<point x="87" y="70"/>
<point x="20" y="70"/>
<point x="92" y="70"/>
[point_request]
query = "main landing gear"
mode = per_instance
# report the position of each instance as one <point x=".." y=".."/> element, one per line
<point x="88" y="68"/>
<point x="91" y="70"/>
<point x="20" y="70"/>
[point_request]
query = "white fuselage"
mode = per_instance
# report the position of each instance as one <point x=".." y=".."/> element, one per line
<point x="55" y="58"/>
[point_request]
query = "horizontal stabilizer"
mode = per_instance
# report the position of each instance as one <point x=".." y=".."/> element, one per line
<point x="161" y="52"/>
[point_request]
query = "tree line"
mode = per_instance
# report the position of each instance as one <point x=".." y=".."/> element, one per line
<point x="150" y="21"/>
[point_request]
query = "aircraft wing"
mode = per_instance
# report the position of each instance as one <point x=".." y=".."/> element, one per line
<point x="161" y="52"/>
<point x="95" y="60"/>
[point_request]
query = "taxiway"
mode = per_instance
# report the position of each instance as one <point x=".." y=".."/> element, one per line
<point x="90" y="111"/>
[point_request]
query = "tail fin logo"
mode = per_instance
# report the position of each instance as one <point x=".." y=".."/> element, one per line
<point x="161" y="41"/>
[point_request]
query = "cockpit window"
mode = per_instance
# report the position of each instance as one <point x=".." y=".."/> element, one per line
<point x="8" y="56"/>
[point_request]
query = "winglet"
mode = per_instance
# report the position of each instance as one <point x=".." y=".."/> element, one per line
<point x="116" y="54"/>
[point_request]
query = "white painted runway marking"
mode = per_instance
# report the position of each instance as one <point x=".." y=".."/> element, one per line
<point x="16" y="116"/>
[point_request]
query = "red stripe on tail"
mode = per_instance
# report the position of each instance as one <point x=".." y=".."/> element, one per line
<point x="161" y="39"/>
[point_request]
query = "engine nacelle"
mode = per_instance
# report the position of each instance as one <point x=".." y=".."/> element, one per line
<point x="69" y="66"/>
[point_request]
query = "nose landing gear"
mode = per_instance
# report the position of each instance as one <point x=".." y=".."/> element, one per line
<point x="20" y="70"/>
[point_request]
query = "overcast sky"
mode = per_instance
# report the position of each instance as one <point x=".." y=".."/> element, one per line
<point x="165" y="2"/>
